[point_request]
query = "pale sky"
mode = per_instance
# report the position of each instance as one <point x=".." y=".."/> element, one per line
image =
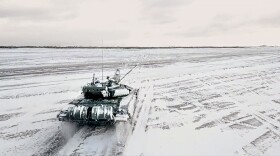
<point x="140" y="22"/>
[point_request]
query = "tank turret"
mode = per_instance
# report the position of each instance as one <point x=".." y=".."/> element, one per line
<point x="109" y="89"/>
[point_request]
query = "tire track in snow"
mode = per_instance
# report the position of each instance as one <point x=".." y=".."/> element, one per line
<point x="263" y="141"/>
<point x="137" y="139"/>
<point x="54" y="143"/>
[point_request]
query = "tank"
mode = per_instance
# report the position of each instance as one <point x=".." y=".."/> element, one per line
<point x="101" y="103"/>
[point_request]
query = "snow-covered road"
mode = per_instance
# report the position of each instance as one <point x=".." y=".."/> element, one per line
<point x="200" y="101"/>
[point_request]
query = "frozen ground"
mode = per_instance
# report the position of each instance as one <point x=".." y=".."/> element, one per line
<point x="191" y="102"/>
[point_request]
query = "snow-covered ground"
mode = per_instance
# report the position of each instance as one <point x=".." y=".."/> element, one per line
<point x="191" y="101"/>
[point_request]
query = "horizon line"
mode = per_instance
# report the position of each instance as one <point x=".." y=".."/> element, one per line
<point x="129" y="47"/>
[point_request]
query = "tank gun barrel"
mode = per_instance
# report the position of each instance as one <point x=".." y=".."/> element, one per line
<point x="128" y="73"/>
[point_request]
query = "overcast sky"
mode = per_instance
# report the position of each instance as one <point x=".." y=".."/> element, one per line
<point x="140" y="22"/>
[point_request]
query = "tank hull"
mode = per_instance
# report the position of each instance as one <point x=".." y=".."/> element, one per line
<point x="98" y="111"/>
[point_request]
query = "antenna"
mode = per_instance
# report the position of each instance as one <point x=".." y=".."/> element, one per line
<point x="102" y="61"/>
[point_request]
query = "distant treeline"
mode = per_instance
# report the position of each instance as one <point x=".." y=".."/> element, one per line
<point x="89" y="47"/>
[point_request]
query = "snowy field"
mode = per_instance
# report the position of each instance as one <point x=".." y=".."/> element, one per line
<point x="206" y="101"/>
